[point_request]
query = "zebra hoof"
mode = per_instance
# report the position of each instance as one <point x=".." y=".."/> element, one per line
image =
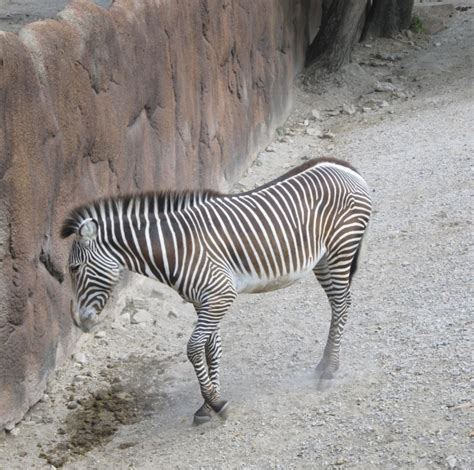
<point x="222" y="409"/>
<point x="326" y="375"/>
<point x="203" y="415"/>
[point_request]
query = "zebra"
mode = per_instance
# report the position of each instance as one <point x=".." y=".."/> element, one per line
<point x="211" y="246"/>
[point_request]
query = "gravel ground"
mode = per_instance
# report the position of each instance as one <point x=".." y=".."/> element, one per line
<point x="16" y="13"/>
<point x="403" y="395"/>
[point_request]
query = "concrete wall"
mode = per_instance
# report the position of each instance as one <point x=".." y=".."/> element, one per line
<point x="146" y="95"/>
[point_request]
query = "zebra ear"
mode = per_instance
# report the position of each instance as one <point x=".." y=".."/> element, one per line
<point x="88" y="230"/>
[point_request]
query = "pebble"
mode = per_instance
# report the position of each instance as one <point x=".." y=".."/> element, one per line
<point x="328" y="135"/>
<point x="384" y="86"/>
<point x="270" y="148"/>
<point x="80" y="357"/>
<point x="141" y="316"/>
<point x="126" y="318"/>
<point x="79" y="378"/>
<point x="72" y="405"/>
<point x="10" y="427"/>
<point x="313" y="131"/>
<point x="348" y="109"/>
<point x="315" y="114"/>
<point x="172" y="314"/>
<point x="15" y="432"/>
<point x="44" y="398"/>
<point x="451" y="462"/>
<point x="100" y="334"/>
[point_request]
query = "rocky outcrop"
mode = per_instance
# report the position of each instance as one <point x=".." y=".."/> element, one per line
<point x="146" y="95"/>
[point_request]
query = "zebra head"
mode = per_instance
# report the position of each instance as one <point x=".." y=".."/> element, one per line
<point x="94" y="273"/>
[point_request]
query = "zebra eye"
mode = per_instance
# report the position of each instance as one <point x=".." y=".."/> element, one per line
<point x="74" y="268"/>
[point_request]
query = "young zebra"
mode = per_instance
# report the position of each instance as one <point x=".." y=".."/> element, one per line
<point x="210" y="246"/>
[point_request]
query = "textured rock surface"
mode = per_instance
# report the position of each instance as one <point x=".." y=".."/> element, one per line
<point x="145" y="95"/>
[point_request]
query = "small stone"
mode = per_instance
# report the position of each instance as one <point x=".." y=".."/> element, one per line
<point x="333" y="112"/>
<point x="348" y="109"/>
<point x="285" y="139"/>
<point x="315" y="114"/>
<point x="405" y="264"/>
<point x="15" y="432"/>
<point x="9" y="427"/>
<point x="44" y="398"/>
<point x="384" y="86"/>
<point x="451" y="462"/>
<point x="72" y="405"/>
<point x="270" y="149"/>
<point x="365" y="109"/>
<point x="79" y="378"/>
<point x="306" y="122"/>
<point x="327" y="134"/>
<point x="172" y="314"/>
<point x="368" y="46"/>
<point x="437" y="44"/>
<point x="141" y="316"/>
<point x="126" y="318"/>
<point x="100" y="334"/>
<point x="80" y="358"/>
<point x="313" y="131"/>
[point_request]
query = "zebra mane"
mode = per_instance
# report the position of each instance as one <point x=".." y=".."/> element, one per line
<point x="166" y="201"/>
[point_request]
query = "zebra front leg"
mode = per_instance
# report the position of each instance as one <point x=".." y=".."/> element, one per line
<point x="213" y="351"/>
<point x="202" y="334"/>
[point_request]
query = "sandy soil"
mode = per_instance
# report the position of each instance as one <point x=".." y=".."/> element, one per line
<point x="403" y="396"/>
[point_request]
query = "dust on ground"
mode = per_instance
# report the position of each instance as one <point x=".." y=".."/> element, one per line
<point x="403" y="395"/>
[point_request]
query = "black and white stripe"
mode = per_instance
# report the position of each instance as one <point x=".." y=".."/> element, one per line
<point x="210" y="246"/>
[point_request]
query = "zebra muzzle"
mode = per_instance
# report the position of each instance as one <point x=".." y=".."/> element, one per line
<point x="85" y="318"/>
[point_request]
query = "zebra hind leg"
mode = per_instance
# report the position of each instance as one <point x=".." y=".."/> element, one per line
<point x="336" y="285"/>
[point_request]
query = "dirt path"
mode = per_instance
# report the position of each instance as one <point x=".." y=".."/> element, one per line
<point x="402" y="398"/>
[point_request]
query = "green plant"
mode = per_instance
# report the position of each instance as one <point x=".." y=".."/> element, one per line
<point x="416" y="25"/>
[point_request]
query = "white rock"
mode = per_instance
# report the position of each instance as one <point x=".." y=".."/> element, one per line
<point x="141" y="316"/>
<point x="126" y="318"/>
<point x="451" y="461"/>
<point x="348" y="109"/>
<point x="172" y="314"/>
<point x="316" y="114"/>
<point x="10" y="427"/>
<point x="80" y="357"/>
<point x="327" y="134"/>
<point x="384" y="86"/>
<point x="270" y="148"/>
<point x="44" y="398"/>
<point x="314" y="131"/>
<point x="15" y="432"/>
<point x="100" y="334"/>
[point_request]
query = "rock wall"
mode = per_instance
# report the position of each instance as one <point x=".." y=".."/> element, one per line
<point x="146" y="95"/>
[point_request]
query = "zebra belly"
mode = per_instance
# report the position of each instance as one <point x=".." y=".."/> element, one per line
<point x="246" y="283"/>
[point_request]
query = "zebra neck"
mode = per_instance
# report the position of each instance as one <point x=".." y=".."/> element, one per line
<point x="139" y="245"/>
